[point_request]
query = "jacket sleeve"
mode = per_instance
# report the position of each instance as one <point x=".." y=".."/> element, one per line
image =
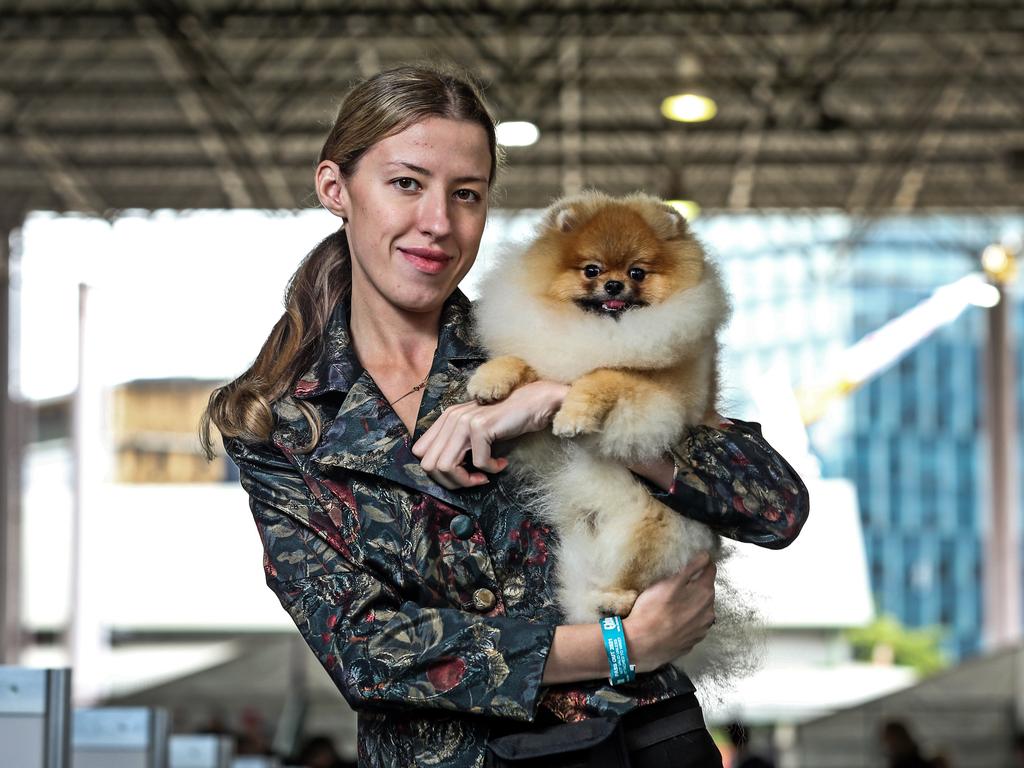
<point x="732" y="480"/>
<point x="381" y="651"/>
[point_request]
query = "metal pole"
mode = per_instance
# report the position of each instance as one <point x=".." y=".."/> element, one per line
<point x="58" y="718"/>
<point x="571" y="109"/>
<point x="1002" y="559"/>
<point x="88" y="639"/>
<point x="12" y="417"/>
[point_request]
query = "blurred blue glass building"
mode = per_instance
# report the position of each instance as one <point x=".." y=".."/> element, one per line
<point x="912" y="438"/>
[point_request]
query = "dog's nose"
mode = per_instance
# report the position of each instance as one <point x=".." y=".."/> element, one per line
<point x="613" y="287"/>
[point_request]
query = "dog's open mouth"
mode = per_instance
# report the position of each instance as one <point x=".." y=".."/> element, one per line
<point x="613" y="307"/>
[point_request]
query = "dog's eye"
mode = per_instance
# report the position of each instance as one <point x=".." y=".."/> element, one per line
<point x="637" y="274"/>
<point x="591" y="270"/>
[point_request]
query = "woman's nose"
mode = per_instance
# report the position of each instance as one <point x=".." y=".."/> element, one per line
<point x="434" y="218"/>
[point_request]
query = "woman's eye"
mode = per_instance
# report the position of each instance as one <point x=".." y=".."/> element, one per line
<point x="405" y="183"/>
<point x="591" y="270"/>
<point x="468" y="195"/>
<point x="637" y="274"/>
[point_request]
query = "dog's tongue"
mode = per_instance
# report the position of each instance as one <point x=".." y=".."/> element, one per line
<point x="614" y="304"/>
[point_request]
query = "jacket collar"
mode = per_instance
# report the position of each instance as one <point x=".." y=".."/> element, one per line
<point x="366" y="435"/>
<point x="337" y="368"/>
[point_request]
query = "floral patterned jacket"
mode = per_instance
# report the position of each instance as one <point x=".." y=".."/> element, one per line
<point x="432" y="610"/>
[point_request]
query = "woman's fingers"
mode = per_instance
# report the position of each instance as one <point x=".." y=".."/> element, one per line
<point x="697" y="563"/>
<point x="428" y="447"/>
<point x="459" y="478"/>
<point x="679" y="611"/>
<point x="673" y="615"/>
<point x="443" y="447"/>
<point x="451" y="459"/>
<point x="431" y="446"/>
<point x="430" y="438"/>
<point x="699" y="570"/>
<point x="480" y="440"/>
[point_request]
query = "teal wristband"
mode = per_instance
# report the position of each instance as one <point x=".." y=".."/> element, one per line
<point x="615" y="646"/>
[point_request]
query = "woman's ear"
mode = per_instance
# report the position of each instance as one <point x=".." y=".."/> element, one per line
<point x="331" y="189"/>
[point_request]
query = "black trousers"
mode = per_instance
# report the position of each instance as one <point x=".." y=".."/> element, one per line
<point x="668" y="734"/>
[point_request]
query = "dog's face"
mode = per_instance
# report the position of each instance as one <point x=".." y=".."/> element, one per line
<point x="608" y="256"/>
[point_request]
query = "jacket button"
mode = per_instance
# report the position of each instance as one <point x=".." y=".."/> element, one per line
<point x="462" y="526"/>
<point x="483" y="599"/>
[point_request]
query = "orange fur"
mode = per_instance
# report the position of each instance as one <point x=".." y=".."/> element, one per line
<point x="496" y="378"/>
<point x="616" y="238"/>
<point x="625" y="413"/>
<point x="641" y="362"/>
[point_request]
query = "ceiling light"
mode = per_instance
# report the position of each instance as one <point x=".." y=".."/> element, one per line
<point x="688" y="108"/>
<point x="999" y="263"/>
<point x="517" y="133"/>
<point x="688" y="208"/>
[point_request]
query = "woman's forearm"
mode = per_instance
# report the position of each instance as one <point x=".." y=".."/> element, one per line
<point x="729" y="477"/>
<point x="661" y="472"/>
<point x="577" y="653"/>
<point x="668" y="619"/>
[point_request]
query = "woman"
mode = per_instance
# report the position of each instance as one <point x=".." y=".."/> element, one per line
<point x="418" y="578"/>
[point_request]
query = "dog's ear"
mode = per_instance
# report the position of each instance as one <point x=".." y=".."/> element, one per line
<point x="567" y="218"/>
<point x="562" y="216"/>
<point x="678" y="228"/>
<point x="570" y="212"/>
<point x="666" y="221"/>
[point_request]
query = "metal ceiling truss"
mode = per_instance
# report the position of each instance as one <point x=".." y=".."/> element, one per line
<point x="864" y="106"/>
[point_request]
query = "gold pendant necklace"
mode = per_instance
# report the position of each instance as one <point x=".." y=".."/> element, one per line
<point x="417" y="388"/>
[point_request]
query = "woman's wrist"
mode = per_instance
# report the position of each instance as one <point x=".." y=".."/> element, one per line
<point x="636" y="643"/>
<point x="661" y="471"/>
<point x="577" y="653"/>
<point x="621" y="668"/>
<point x="550" y="395"/>
<point x="664" y="470"/>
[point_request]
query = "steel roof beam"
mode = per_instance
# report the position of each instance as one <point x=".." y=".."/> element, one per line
<point x="209" y="97"/>
<point x="193" y="106"/>
<point x="771" y="18"/>
<point x="73" y="188"/>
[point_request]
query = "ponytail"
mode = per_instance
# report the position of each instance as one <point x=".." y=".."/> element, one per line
<point x="241" y="408"/>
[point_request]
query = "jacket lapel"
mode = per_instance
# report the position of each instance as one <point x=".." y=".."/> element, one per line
<point x="366" y="435"/>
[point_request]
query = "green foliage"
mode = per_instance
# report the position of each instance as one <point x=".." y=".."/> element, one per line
<point x="887" y="637"/>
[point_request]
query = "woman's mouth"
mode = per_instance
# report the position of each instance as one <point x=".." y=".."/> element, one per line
<point x="428" y="260"/>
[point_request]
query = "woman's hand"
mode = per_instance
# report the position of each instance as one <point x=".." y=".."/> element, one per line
<point x="672" y="615"/>
<point x="668" y="619"/>
<point x="662" y="471"/>
<point x="474" y="427"/>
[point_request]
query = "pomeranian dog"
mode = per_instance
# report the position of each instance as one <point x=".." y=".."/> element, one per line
<point x="616" y="298"/>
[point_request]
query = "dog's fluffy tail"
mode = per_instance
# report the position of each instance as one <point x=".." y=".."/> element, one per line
<point x="734" y="647"/>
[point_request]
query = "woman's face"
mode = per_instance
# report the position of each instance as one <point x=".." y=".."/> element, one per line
<point x="416" y="206"/>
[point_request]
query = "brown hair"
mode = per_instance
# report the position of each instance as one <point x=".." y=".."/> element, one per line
<point x="376" y="108"/>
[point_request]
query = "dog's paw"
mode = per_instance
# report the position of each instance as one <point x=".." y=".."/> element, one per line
<point x="490" y="384"/>
<point x="574" y="419"/>
<point x="616" y="602"/>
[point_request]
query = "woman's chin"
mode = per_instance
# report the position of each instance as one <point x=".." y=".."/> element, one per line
<point x="423" y="298"/>
<point x="423" y="292"/>
<point x="410" y="291"/>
